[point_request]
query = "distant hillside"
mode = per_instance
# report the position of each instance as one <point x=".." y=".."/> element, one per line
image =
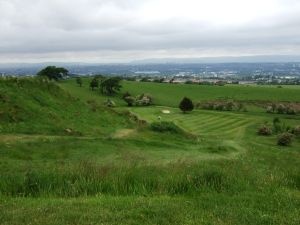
<point x="42" y="107"/>
<point x="225" y="59"/>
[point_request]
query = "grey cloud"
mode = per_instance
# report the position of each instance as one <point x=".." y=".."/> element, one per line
<point x="115" y="27"/>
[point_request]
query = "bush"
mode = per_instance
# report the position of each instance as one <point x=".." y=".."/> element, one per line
<point x="186" y="105"/>
<point x="126" y="94"/>
<point x="129" y="100"/>
<point x="227" y="105"/>
<point x="144" y="100"/>
<point x="264" y="130"/>
<point x="296" y="131"/>
<point x="165" y="126"/>
<point x="290" y="111"/>
<point x="220" y="107"/>
<point x="230" y="106"/>
<point x="281" y="109"/>
<point x="285" y="139"/>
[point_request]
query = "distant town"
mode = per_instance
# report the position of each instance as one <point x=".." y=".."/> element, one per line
<point x="179" y="73"/>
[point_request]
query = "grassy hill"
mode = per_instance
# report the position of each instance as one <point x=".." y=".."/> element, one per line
<point x="110" y="170"/>
<point x="36" y="106"/>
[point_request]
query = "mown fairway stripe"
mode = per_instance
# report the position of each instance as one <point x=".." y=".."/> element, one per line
<point x="216" y="127"/>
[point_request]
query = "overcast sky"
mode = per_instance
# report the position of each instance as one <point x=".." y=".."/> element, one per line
<point x="125" y="30"/>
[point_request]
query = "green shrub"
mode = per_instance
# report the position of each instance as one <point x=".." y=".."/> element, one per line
<point x="296" y="131"/>
<point x="264" y="130"/>
<point x="290" y="110"/>
<point x="129" y="100"/>
<point x="230" y="106"/>
<point x="165" y="126"/>
<point x="144" y="100"/>
<point x="285" y="139"/>
<point x="281" y="109"/>
<point x="126" y="94"/>
<point x="186" y="105"/>
<point x="220" y="107"/>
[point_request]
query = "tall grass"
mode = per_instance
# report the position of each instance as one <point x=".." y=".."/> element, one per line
<point x="90" y="179"/>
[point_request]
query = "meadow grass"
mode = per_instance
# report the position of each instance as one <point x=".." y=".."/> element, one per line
<point x="113" y="171"/>
<point x="171" y="94"/>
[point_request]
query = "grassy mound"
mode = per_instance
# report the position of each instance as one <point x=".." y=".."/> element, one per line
<point x="35" y="105"/>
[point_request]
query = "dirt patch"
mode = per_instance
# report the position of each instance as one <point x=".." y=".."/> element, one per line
<point x="123" y="133"/>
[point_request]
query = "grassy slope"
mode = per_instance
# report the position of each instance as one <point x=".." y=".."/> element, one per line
<point x="34" y="107"/>
<point x="148" y="178"/>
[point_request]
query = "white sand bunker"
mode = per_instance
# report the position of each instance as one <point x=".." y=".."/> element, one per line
<point x="166" y="111"/>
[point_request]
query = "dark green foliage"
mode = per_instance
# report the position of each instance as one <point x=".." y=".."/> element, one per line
<point x="186" y="105"/>
<point x="126" y="94"/>
<point x="165" y="126"/>
<point x="79" y="81"/>
<point x="296" y="131"/>
<point x="145" y="79"/>
<point x="53" y="73"/>
<point x="264" y="130"/>
<point x="129" y="100"/>
<point x="285" y="139"/>
<point x="159" y="80"/>
<point x="94" y="83"/>
<point x="110" y="86"/>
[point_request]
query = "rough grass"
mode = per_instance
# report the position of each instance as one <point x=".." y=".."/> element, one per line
<point x="114" y="175"/>
<point x="249" y="209"/>
<point x="36" y="106"/>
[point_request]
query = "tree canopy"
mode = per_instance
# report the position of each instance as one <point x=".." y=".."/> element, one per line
<point x="94" y="83"/>
<point x="110" y="86"/>
<point x="186" y="105"/>
<point x="79" y="81"/>
<point x="53" y="72"/>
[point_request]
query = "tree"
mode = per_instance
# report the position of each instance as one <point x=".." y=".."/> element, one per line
<point x="94" y="83"/>
<point x="79" y="81"/>
<point x="186" y="105"/>
<point x="53" y="72"/>
<point x="110" y="86"/>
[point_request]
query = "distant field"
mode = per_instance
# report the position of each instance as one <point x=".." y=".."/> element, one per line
<point x="171" y="94"/>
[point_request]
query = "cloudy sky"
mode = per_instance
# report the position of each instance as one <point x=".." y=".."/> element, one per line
<point x="125" y="30"/>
